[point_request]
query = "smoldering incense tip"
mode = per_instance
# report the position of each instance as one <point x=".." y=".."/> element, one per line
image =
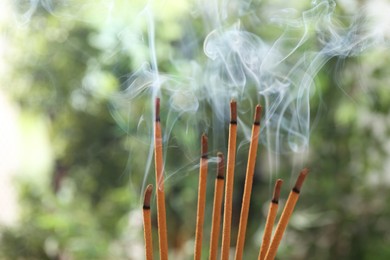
<point x="257" y="118"/>
<point x="300" y="180"/>
<point x="204" y="146"/>
<point x="233" y="112"/>
<point x="220" y="166"/>
<point x="157" y="109"/>
<point x="147" y="196"/>
<point x="276" y="195"/>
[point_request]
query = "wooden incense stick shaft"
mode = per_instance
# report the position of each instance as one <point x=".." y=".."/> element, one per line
<point x="147" y="223"/>
<point x="216" y="217"/>
<point x="273" y="210"/>
<point x="231" y="158"/>
<point x="285" y="217"/>
<point x="201" y="199"/>
<point x="248" y="184"/>
<point x="160" y="194"/>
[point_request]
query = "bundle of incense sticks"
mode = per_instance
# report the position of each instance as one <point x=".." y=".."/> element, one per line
<point x="269" y="244"/>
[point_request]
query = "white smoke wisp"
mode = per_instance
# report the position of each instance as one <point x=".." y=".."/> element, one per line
<point x="198" y="55"/>
<point x="235" y="63"/>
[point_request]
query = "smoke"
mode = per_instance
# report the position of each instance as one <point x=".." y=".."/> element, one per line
<point x="197" y="56"/>
<point x="233" y="62"/>
<point x="27" y="8"/>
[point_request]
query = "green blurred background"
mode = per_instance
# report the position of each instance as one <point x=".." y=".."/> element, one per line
<point x="75" y="145"/>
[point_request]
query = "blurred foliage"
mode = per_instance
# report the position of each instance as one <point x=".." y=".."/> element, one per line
<point x="71" y="70"/>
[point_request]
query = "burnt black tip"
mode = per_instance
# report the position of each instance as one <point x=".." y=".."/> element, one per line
<point x="296" y="190"/>
<point x="257" y="117"/>
<point x="157" y="109"/>
<point x="300" y="180"/>
<point x="233" y="111"/>
<point x="147" y="196"/>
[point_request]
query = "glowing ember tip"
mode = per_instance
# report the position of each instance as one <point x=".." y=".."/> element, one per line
<point x="157" y="109"/>
<point x="300" y="180"/>
<point x="220" y="166"/>
<point x="204" y="146"/>
<point x="278" y="186"/>
<point x="233" y="112"/>
<point x="147" y="196"/>
<point x="257" y="117"/>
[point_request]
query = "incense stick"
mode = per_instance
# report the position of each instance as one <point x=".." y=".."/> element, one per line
<point x="248" y="183"/>
<point x="273" y="209"/>
<point x="231" y="158"/>
<point x="160" y="194"/>
<point x="216" y="217"/>
<point x="148" y="223"/>
<point x="201" y="199"/>
<point x="286" y="214"/>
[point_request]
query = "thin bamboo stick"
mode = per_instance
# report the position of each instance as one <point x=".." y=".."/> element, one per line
<point x="286" y="214"/>
<point x="201" y="198"/>
<point x="216" y="217"/>
<point x="231" y="159"/>
<point x="148" y="223"/>
<point x="269" y="224"/>
<point x="248" y="183"/>
<point x="160" y="194"/>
